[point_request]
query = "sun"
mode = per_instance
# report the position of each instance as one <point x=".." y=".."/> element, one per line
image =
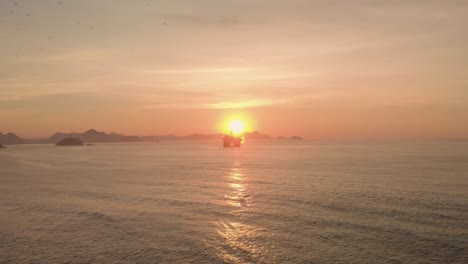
<point x="236" y="127"/>
<point x="236" y="123"/>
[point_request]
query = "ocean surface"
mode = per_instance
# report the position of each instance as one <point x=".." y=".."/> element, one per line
<point x="267" y="202"/>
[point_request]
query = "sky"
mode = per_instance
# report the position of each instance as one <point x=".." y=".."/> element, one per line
<point x="319" y="69"/>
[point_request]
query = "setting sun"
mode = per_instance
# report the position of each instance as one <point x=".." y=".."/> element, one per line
<point x="236" y="127"/>
<point x="234" y="131"/>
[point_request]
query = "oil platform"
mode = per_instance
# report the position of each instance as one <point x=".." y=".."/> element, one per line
<point x="232" y="141"/>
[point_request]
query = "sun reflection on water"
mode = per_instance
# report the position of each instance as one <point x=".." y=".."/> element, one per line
<point x="238" y="197"/>
<point x="237" y="240"/>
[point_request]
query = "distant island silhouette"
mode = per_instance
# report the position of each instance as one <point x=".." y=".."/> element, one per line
<point x="218" y="136"/>
<point x="94" y="136"/>
<point x="10" y="139"/>
<point x="296" y="138"/>
<point x="70" y="142"/>
<point x="291" y="138"/>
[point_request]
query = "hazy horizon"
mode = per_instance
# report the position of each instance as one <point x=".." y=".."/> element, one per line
<point x="143" y="135"/>
<point x="318" y="69"/>
<point x="274" y="136"/>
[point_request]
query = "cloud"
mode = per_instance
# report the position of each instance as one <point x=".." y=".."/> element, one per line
<point x="202" y="70"/>
<point x="243" y="104"/>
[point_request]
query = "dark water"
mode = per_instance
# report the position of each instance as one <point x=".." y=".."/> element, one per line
<point x="268" y="202"/>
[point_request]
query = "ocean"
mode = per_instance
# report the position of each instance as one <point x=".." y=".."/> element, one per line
<point x="266" y="202"/>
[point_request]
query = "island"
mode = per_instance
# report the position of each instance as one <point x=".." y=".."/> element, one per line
<point x="10" y="139"/>
<point x="70" y="142"/>
<point x="296" y="138"/>
<point x="94" y="136"/>
<point x="290" y="138"/>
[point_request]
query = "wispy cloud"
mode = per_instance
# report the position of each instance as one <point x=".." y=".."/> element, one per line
<point x="203" y="70"/>
<point x="243" y="104"/>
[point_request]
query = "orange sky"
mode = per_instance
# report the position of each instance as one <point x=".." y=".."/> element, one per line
<point x="319" y="69"/>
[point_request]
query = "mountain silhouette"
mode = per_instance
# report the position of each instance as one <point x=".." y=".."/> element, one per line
<point x="70" y="142"/>
<point x="218" y="136"/>
<point x="257" y="136"/>
<point x="93" y="136"/>
<point x="296" y="138"/>
<point x="10" y="139"/>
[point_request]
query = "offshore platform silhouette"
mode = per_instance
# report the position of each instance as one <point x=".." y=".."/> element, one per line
<point x="230" y="140"/>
